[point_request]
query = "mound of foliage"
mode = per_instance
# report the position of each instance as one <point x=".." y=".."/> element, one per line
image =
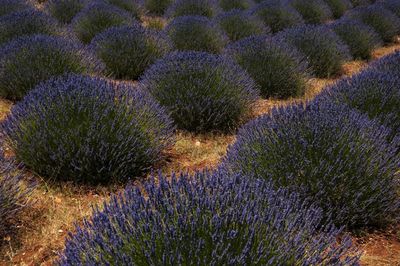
<point x="127" y="51"/>
<point x="313" y="11"/>
<point x="206" y="219"/>
<point x="196" y="33"/>
<point x="134" y="7"/>
<point x="338" y="7"/>
<point x="26" y="22"/>
<point x="13" y="196"/>
<point x="157" y="7"/>
<point x="239" y="24"/>
<point x="360" y="38"/>
<point x="277" y="68"/>
<point x="372" y="92"/>
<point x="64" y="10"/>
<point x="202" y="91"/>
<point x="97" y="17"/>
<point x="389" y="63"/>
<point x="277" y="15"/>
<point x="207" y="8"/>
<point x="392" y="5"/>
<point x="228" y="5"/>
<point x="325" y="51"/>
<point x="326" y="151"/>
<point x="27" y="61"/>
<point x="88" y="129"/>
<point x="385" y="23"/>
<point x="10" y="6"/>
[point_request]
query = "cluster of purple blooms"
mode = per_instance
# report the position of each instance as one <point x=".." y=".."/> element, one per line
<point x="88" y="129"/>
<point x="10" y="6"/>
<point x="207" y="219"/>
<point x="64" y="10"/>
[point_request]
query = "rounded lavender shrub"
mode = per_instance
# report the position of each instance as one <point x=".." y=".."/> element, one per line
<point x="13" y="195"/>
<point x="207" y="8"/>
<point x="134" y="7"/>
<point x="326" y="151"/>
<point x="338" y="7"/>
<point x="10" y="6"/>
<point x="196" y="33"/>
<point x="392" y="5"/>
<point x="29" y="60"/>
<point x="277" y="15"/>
<point x="372" y="92"/>
<point x="278" y="68"/>
<point x="239" y="24"/>
<point x="228" y="5"/>
<point x="313" y="11"/>
<point x="202" y="91"/>
<point x="88" y="129"/>
<point x="64" y="10"/>
<point x="325" y="51"/>
<point x="384" y="22"/>
<point x="360" y="38"/>
<point x="127" y="51"/>
<point x="96" y="18"/>
<point x="26" y="22"/>
<point x="157" y="7"/>
<point x="206" y="219"/>
<point x="389" y="63"/>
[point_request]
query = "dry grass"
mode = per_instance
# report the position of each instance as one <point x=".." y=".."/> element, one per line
<point x="57" y="207"/>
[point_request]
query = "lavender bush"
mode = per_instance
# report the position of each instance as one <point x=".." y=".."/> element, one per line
<point x="338" y="7"/>
<point x="88" y="130"/>
<point x="128" y="50"/>
<point x="239" y="24"/>
<point x="29" y="60"/>
<point x="278" y="68"/>
<point x="207" y="219"/>
<point x="97" y="17"/>
<point x="389" y="63"/>
<point x="157" y="7"/>
<point x="134" y="7"/>
<point x="325" y="51"/>
<point x="392" y="5"/>
<point x="202" y="91"/>
<point x="360" y="38"/>
<point x="196" y="33"/>
<point x="326" y="151"/>
<point x="313" y="11"/>
<point x="277" y="15"/>
<point x="13" y="196"/>
<point x="375" y="93"/>
<point x="207" y="8"/>
<point x="26" y="22"/>
<point x="228" y="5"/>
<point x="10" y="6"/>
<point x="385" y="23"/>
<point x="64" y="10"/>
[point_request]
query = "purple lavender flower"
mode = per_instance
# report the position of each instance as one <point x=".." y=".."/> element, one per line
<point x="128" y="50"/>
<point x="389" y="63"/>
<point x="197" y="33"/>
<point x="27" y="22"/>
<point x="385" y="23"/>
<point x="29" y="60"/>
<point x="64" y="10"/>
<point x="207" y="8"/>
<point x="10" y="6"/>
<point x="134" y="7"/>
<point x="392" y="5"/>
<point x="97" y="17"/>
<point x="239" y="24"/>
<point x="360" y="38"/>
<point x="277" y="67"/>
<point x="88" y="129"/>
<point x="202" y="91"/>
<point x="326" y="151"/>
<point x="325" y="51"/>
<point x="313" y="11"/>
<point x="207" y="219"/>
<point x="277" y="15"/>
